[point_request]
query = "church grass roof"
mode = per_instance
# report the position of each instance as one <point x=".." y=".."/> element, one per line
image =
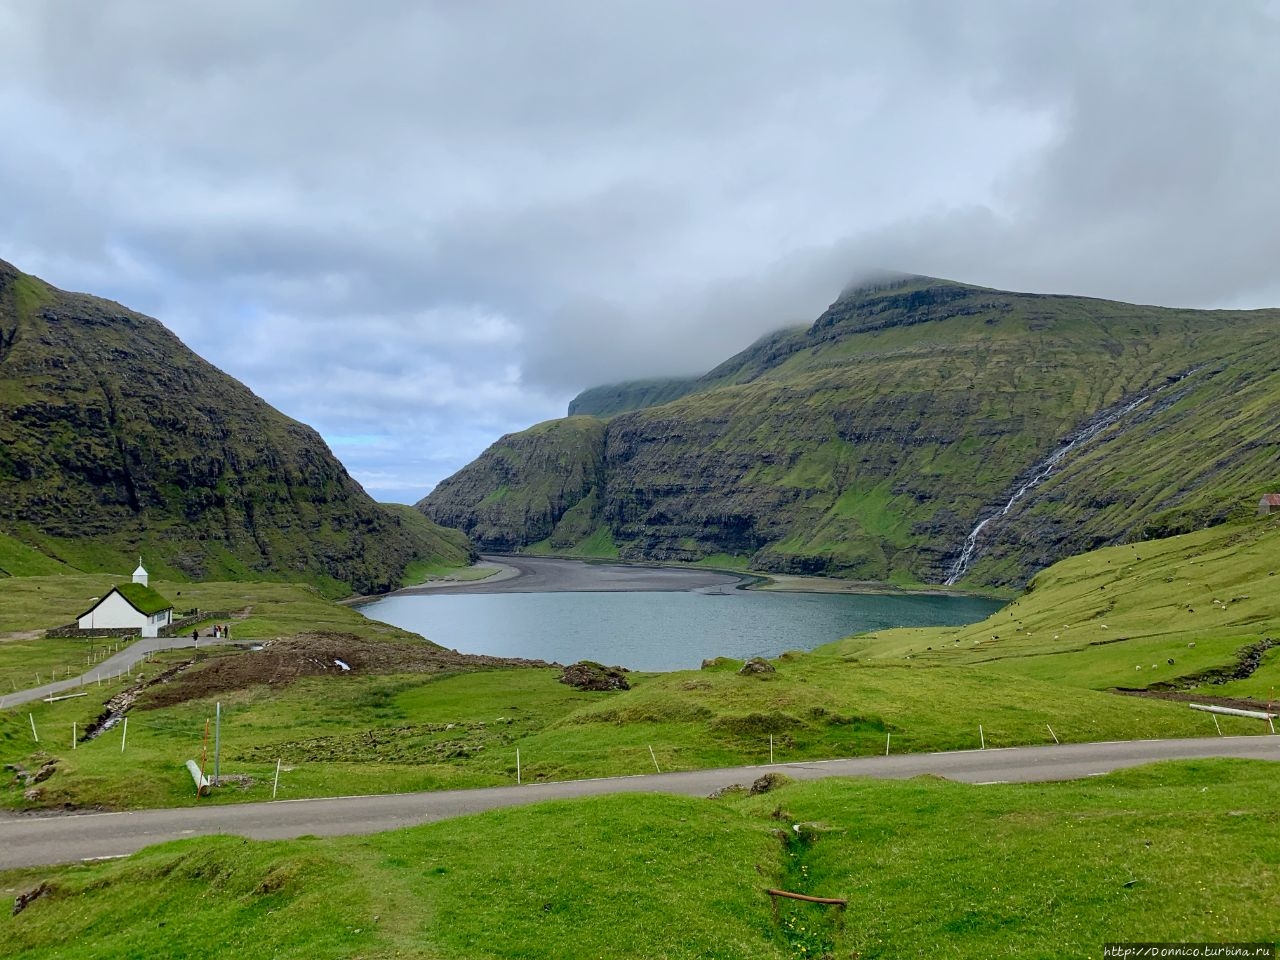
<point x="143" y="599"/>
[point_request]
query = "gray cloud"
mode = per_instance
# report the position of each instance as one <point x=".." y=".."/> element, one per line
<point x="425" y="224"/>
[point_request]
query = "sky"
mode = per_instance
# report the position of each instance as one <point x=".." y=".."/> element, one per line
<point x="418" y="226"/>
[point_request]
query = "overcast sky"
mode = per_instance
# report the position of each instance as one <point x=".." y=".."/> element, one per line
<point x="417" y="226"/>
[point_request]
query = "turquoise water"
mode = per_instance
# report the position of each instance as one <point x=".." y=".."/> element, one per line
<point x="660" y="631"/>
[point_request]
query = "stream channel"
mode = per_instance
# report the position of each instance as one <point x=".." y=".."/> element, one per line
<point x="647" y="618"/>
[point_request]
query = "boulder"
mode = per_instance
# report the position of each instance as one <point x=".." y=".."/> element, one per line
<point x="756" y="665"/>
<point x="588" y="675"/>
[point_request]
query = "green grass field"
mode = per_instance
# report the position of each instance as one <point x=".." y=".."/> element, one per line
<point x="1040" y="669"/>
<point x="1182" y="852"/>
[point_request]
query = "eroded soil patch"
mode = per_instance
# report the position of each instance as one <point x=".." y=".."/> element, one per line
<point x="281" y="662"/>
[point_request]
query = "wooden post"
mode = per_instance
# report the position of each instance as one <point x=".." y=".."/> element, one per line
<point x="825" y="901"/>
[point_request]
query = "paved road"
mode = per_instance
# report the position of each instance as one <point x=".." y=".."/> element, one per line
<point x="112" y="667"/>
<point x="34" y="841"/>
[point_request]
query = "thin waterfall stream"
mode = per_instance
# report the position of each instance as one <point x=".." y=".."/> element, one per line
<point x="1045" y="467"/>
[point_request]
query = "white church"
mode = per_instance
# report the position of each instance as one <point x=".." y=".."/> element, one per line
<point x="130" y="606"/>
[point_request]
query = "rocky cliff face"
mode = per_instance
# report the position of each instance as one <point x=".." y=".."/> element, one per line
<point x="115" y="440"/>
<point x="872" y="443"/>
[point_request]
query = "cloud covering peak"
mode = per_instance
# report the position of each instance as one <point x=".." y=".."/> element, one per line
<point x="420" y="225"/>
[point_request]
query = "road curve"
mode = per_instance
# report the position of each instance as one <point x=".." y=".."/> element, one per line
<point x="109" y="669"/>
<point x="27" y="840"/>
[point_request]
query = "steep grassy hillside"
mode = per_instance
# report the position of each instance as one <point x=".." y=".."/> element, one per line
<point x="543" y="483"/>
<point x="1171" y="614"/>
<point x="116" y="440"/>
<point x="871" y="444"/>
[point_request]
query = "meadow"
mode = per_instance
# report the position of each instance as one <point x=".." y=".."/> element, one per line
<point x="1182" y="852"/>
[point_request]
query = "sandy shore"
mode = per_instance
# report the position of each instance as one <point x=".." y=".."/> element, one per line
<point x="554" y="575"/>
<point x="520" y="574"/>
<point x="784" y="582"/>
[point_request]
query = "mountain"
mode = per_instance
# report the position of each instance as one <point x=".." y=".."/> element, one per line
<point x="116" y="440"/>
<point x="872" y="443"/>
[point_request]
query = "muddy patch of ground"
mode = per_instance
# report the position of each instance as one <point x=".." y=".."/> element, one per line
<point x="281" y="662"/>
<point x="1247" y="661"/>
<point x="1239" y="703"/>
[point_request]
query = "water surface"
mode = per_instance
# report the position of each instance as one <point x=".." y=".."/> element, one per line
<point x="659" y="630"/>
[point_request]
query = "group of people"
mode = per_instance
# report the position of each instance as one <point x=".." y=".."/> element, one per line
<point x="220" y="632"/>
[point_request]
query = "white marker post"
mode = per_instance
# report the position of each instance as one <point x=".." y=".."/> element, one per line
<point x="73" y="734"/>
<point x="655" y="759"/>
<point x="217" y="744"/>
<point x="124" y="733"/>
<point x="771" y="748"/>
<point x="276" y="785"/>
<point x="1052" y="734"/>
<point x="982" y="737"/>
<point x="517" y="766"/>
<point x="33" y="727"/>
<point x="886" y="743"/>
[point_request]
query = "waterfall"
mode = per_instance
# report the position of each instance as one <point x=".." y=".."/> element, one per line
<point x="1038" y="474"/>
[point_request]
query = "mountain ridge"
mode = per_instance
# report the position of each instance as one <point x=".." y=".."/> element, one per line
<point x="871" y="443"/>
<point x="119" y="440"/>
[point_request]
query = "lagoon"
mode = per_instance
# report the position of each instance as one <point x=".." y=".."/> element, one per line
<point x="651" y="629"/>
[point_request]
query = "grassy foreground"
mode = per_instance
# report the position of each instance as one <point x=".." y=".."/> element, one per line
<point x="344" y="733"/>
<point x="1186" y="851"/>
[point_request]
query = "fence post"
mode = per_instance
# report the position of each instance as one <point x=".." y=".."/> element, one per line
<point x="217" y="744"/>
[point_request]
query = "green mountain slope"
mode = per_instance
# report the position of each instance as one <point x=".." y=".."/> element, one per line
<point x="871" y="444"/>
<point x="541" y="483"/>
<point x="116" y="440"/>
